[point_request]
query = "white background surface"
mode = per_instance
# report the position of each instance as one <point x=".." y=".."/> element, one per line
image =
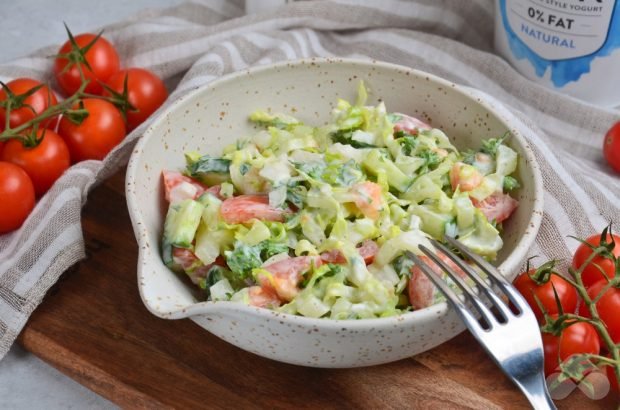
<point x="25" y="381"/>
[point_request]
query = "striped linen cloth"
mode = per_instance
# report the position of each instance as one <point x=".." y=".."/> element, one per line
<point x="199" y="41"/>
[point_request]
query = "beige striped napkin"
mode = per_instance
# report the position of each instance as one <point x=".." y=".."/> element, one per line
<point x="199" y="41"/>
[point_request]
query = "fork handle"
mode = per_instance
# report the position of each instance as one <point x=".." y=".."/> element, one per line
<point x="535" y="389"/>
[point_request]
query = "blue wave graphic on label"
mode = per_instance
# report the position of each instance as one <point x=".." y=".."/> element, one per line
<point x="564" y="36"/>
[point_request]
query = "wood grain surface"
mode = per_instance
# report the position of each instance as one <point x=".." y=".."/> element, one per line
<point x="93" y="327"/>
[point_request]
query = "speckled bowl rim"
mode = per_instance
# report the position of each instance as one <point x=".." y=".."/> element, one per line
<point x="418" y="316"/>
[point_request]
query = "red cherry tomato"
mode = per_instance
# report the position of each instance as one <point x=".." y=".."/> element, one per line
<point x="608" y="308"/>
<point x="145" y="91"/>
<point x="16" y="196"/>
<point x="32" y="106"/>
<point x="97" y="135"/>
<point x="579" y="337"/>
<point x="101" y="57"/>
<point x="43" y="163"/>
<point x="611" y="146"/>
<point x="531" y="291"/>
<point x="593" y="272"/>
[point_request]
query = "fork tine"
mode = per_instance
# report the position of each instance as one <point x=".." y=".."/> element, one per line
<point x="464" y="313"/>
<point x="496" y="301"/>
<point x="522" y="361"/>
<point x="485" y="313"/>
<point x="515" y="297"/>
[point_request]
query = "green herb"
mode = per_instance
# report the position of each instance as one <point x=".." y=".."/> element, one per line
<point x="270" y="248"/>
<point x="349" y="173"/>
<point x="244" y="168"/>
<point x="490" y="146"/>
<point x="296" y="194"/>
<point x="243" y="258"/>
<point x="207" y="164"/>
<point x="431" y="160"/>
<point x="332" y="270"/>
<point x="510" y="183"/>
<point x="409" y="144"/>
<point x="346" y="137"/>
<point x="214" y="275"/>
<point x="402" y="265"/>
<point x="343" y="175"/>
<point x="217" y="273"/>
<point x="334" y="173"/>
<point x="312" y="169"/>
<point x="402" y="134"/>
<point x="241" y="143"/>
<point x="469" y="156"/>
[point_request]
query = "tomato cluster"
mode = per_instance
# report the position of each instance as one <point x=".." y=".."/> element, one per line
<point x="579" y="313"/>
<point x="42" y="135"/>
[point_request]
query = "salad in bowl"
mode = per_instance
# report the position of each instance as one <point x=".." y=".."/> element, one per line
<point x="313" y="220"/>
<point x="282" y="230"/>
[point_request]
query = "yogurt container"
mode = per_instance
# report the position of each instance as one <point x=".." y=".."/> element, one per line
<point x="572" y="46"/>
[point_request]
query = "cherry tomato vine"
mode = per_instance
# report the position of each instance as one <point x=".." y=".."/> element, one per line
<point x="561" y="319"/>
<point x="26" y="131"/>
<point x="43" y="135"/>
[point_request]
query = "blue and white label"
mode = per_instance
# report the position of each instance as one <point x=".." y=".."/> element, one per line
<point x="561" y="29"/>
<point x="563" y="36"/>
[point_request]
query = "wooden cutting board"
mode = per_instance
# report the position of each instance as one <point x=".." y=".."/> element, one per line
<point x="93" y="327"/>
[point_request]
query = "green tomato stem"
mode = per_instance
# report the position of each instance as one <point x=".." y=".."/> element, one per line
<point x="7" y="122"/>
<point x="51" y="111"/>
<point x="598" y="324"/>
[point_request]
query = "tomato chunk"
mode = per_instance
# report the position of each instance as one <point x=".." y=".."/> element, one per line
<point x="190" y="263"/>
<point x="368" y="249"/>
<point x="497" y="207"/>
<point x="333" y="256"/>
<point x="421" y="290"/>
<point x="174" y="179"/>
<point x="368" y="198"/>
<point x="465" y="177"/>
<point x="243" y="208"/>
<point x="185" y="258"/>
<point x="410" y="125"/>
<point x="286" y="275"/>
<point x="262" y="297"/>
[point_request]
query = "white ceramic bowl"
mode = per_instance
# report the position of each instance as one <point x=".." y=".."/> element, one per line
<point x="212" y="116"/>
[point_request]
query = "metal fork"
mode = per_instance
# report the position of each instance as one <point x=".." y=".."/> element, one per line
<point x="513" y="339"/>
